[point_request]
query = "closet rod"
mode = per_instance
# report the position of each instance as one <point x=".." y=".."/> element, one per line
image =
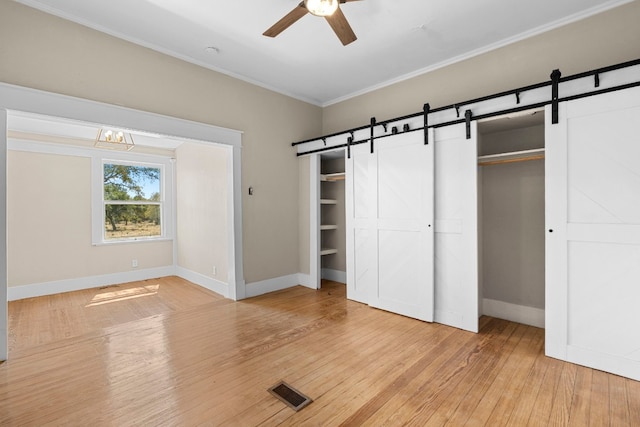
<point x="511" y="157"/>
<point x="512" y="160"/>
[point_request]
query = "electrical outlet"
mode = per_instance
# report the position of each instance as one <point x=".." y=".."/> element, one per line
<point x="134" y="263"/>
<point x="215" y="270"/>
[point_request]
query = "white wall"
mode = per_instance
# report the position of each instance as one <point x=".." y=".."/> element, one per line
<point x="202" y="223"/>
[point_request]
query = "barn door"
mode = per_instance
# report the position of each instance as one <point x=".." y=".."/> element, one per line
<point x="359" y="243"/>
<point x="456" y="222"/>
<point x="390" y="225"/>
<point x="401" y="183"/>
<point x="593" y="232"/>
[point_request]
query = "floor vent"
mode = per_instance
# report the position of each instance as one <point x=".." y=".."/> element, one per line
<point x="289" y="395"/>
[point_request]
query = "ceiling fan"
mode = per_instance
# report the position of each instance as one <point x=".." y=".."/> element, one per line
<point x="328" y="9"/>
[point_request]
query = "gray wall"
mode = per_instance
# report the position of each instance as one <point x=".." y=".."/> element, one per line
<point x="512" y="221"/>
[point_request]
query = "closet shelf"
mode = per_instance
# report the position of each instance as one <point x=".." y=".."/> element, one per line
<point x="328" y="251"/>
<point x="332" y="177"/>
<point x="511" y="157"/>
<point x="328" y="201"/>
<point x="329" y="227"/>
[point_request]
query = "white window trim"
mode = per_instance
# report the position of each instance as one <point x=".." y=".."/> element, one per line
<point x="98" y="159"/>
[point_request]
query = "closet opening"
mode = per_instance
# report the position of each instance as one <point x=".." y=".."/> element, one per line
<point x="333" y="258"/>
<point x="511" y="223"/>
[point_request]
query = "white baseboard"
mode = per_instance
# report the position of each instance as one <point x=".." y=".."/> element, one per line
<point x="204" y="281"/>
<point x="335" y="275"/>
<point x="276" y="284"/>
<point x="305" y="280"/>
<point x="69" y="285"/>
<point x="513" y="312"/>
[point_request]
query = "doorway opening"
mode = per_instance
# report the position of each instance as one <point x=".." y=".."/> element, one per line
<point x="33" y="102"/>
<point x="511" y="187"/>
<point x="333" y="258"/>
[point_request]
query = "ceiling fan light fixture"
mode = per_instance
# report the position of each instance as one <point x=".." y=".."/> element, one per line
<point x="321" y="7"/>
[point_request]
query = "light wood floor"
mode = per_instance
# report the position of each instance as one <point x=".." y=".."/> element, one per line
<point x="165" y="352"/>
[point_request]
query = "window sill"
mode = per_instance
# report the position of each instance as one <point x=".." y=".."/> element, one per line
<point x="132" y="241"/>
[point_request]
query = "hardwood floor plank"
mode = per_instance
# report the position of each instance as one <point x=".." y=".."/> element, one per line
<point x="581" y="402"/>
<point x="290" y="362"/>
<point x="510" y="383"/>
<point x="388" y="396"/>
<point x="561" y="409"/>
<point x="381" y="373"/>
<point x="470" y="408"/>
<point x="546" y="394"/>
<point x="599" y="411"/>
<point x="619" y="401"/>
<point x="346" y="375"/>
<point x="431" y="401"/>
<point x="633" y="391"/>
<point x="76" y="313"/>
<point x="166" y="352"/>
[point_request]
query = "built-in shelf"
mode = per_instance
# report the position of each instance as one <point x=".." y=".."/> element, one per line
<point x="332" y="176"/>
<point x="511" y="157"/>
<point x="327" y="180"/>
<point x="328" y="251"/>
<point x="329" y="227"/>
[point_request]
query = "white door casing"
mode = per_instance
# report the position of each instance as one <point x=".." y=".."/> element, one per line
<point x="593" y="233"/>
<point x="315" y="263"/>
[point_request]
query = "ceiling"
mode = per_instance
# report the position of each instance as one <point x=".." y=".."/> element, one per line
<point x="396" y="39"/>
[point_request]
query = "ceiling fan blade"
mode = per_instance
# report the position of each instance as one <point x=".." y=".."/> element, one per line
<point x="288" y="20"/>
<point x="341" y="27"/>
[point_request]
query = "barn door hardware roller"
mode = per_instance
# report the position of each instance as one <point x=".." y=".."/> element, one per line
<point x="425" y="111"/>
<point x="373" y="124"/>
<point x="555" y="81"/>
<point x="467" y="120"/>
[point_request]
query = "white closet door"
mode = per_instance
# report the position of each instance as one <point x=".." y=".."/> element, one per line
<point x="593" y="233"/>
<point x="456" y="227"/>
<point x="361" y="276"/>
<point x="401" y="183"/>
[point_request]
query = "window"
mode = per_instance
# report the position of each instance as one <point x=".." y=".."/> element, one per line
<point x="130" y="201"/>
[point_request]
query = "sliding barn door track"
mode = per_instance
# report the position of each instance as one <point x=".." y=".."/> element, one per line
<point x="557" y="89"/>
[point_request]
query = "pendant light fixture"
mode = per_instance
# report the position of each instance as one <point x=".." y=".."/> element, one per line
<point x="114" y="140"/>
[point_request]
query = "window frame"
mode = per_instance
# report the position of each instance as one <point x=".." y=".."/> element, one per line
<point x="98" y="215"/>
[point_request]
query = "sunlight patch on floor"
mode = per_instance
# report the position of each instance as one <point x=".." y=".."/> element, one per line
<point x="124" y="294"/>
